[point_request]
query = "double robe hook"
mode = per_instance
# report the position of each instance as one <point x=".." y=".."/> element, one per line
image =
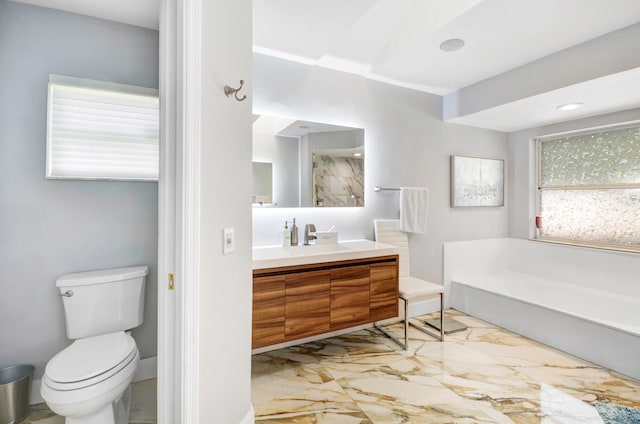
<point x="228" y="91"/>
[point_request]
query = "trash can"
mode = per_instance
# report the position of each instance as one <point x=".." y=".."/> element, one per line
<point x="15" y="386"/>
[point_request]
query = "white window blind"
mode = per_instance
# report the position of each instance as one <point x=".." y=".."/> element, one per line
<point x="101" y="130"/>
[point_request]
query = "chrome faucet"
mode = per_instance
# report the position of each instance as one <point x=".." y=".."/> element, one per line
<point x="309" y="228"/>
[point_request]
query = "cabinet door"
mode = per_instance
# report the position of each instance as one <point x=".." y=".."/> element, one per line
<point x="268" y="311"/>
<point x="384" y="291"/>
<point x="307" y="303"/>
<point x="349" y="296"/>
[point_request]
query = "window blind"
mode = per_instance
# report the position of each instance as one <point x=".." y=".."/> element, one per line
<point x="101" y="130"/>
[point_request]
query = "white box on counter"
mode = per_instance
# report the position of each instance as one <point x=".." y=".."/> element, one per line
<point x="326" y="237"/>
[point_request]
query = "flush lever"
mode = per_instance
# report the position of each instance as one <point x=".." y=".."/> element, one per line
<point x="68" y="293"/>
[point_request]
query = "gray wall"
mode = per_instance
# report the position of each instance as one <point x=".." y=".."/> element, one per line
<point x="49" y="228"/>
<point x="521" y="166"/>
<point x="406" y="144"/>
<point x="282" y="152"/>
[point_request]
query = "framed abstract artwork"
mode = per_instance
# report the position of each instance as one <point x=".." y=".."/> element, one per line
<point x="476" y="182"/>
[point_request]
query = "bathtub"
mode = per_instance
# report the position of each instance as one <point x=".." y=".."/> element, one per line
<point x="585" y="302"/>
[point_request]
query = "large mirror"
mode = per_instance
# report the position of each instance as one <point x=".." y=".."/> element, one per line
<point x="306" y="164"/>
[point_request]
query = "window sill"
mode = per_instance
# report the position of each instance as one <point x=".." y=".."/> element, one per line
<point x="594" y="245"/>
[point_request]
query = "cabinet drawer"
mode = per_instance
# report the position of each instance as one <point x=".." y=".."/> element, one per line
<point x="384" y="300"/>
<point x="268" y="311"/>
<point x="307" y="303"/>
<point x="349" y="296"/>
<point x="384" y="291"/>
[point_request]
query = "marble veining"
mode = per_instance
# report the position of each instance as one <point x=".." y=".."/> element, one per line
<point x="482" y="375"/>
<point x="338" y="181"/>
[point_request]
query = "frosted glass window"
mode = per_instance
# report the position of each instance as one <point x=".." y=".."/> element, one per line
<point x="101" y="130"/>
<point x="610" y="157"/>
<point x="600" y="216"/>
<point x="589" y="188"/>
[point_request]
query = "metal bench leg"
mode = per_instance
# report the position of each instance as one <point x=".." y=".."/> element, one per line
<point x="431" y="333"/>
<point x="407" y="322"/>
<point x="384" y="331"/>
<point x="441" y="317"/>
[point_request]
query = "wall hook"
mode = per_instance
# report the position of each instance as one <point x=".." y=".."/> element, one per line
<point x="228" y="91"/>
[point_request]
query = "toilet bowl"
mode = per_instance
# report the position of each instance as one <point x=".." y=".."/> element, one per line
<point x="89" y="382"/>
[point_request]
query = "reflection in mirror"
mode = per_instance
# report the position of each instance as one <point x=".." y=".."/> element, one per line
<point x="338" y="177"/>
<point x="313" y="164"/>
<point x="262" y="183"/>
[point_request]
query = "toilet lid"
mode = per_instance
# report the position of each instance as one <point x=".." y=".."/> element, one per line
<point x="90" y="357"/>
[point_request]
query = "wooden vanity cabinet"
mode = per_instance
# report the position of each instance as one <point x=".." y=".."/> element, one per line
<point x="295" y="302"/>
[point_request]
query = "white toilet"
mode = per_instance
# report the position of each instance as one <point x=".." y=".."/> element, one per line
<point x="89" y="381"/>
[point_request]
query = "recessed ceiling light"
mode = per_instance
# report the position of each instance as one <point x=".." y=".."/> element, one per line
<point x="570" y="106"/>
<point x="304" y="127"/>
<point x="357" y="155"/>
<point x="451" y="45"/>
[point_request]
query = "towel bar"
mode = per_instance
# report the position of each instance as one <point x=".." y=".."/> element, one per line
<point x="378" y="188"/>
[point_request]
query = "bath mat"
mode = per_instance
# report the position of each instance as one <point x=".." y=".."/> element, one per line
<point x="450" y="324"/>
<point x="617" y="414"/>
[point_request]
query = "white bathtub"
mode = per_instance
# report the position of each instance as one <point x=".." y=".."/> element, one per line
<point x="583" y="301"/>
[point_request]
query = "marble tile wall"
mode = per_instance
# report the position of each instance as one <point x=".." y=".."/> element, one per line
<point x="338" y="181"/>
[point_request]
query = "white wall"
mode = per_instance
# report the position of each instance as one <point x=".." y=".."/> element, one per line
<point x="224" y="339"/>
<point x="521" y="166"/>
<point x="406" y="144"/>
<point x="53" y="227"/>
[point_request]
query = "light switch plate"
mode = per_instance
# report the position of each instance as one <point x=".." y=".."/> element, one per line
<point x="228" y="241"/>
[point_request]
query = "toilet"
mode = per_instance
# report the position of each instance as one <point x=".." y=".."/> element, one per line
<point x="89" y="382"/>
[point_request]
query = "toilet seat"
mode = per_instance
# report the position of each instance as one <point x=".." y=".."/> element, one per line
<point x="89" y="361"/>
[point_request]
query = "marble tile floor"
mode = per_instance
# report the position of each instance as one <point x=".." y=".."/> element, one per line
<point x="482" y="375"/>
<point x="143" y="407"/>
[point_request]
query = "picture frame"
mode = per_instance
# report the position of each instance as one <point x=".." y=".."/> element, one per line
<point x="476" y="182"/>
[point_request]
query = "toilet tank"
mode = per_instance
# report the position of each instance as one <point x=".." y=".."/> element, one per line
<point x="104" y="301"/>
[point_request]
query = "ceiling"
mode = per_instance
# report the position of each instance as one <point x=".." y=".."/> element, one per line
<point x="142" y="13"/>
<point x="520" y="60"/>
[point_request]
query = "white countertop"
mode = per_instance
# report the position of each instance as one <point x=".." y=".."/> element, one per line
<point x="279" y="256"/>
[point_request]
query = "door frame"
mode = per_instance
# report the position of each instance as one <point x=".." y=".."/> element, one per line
<point x="178" y="211"/>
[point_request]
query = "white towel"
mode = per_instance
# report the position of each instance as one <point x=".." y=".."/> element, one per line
<point x="414" y="205"/>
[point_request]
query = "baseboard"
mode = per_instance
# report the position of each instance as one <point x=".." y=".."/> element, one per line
<point x="250" y="418"/>
<point x="147" y="368"/>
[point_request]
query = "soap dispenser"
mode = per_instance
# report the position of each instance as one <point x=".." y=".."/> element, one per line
<point x="294" y="233"/>
<point x="286" y="235"/>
